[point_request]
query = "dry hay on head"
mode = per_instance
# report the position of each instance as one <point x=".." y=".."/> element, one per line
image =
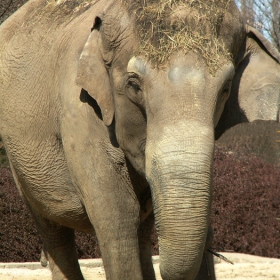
<point x="168" y="25"/>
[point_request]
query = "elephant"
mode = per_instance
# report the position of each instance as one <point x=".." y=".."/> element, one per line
<point x="255" y="91"/>
<point x="108" y="112"/>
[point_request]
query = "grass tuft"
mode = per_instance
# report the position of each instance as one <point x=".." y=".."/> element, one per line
<point x="166" y="26"/>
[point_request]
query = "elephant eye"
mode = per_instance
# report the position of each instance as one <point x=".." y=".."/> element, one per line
<point x="226" y="88"/>
<point x="134" y="91"/>
<point x="135" y="86"/>
<point x="225" y="91"/>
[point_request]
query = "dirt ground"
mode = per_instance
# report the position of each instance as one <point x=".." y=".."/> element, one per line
<point x="245" y="267"/>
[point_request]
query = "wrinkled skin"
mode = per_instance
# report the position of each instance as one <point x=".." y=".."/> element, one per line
<point x="93" y="132"/>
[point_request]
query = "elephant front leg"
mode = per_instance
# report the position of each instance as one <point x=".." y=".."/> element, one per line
<point x="116" y="224"/>
<point x="120" y="255"/>
<point x="120" y="259"/>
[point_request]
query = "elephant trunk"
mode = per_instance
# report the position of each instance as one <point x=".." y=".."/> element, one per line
<point x="179" y="167"/>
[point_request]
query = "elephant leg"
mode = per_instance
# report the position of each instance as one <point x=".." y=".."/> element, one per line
<point x="58" y="249"/>
<point x="120" y="256"/>
<point x="144" y="234"/>
<point x="116" y="225"/>
<point x="207" y="269"/>
<point x="58" y="243"/>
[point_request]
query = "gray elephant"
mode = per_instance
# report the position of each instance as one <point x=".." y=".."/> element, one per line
<point x="107" y="113"/>
<point x="255" y="91"/>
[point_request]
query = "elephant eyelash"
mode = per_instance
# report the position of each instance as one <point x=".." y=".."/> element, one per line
<point x="134" y="91"/>
<point x="133" y="82"/>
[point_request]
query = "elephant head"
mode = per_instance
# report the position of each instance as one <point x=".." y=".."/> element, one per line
<point x="161" y="73"/>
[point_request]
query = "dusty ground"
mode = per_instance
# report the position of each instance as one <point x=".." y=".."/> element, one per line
<point x="245" y="267"/>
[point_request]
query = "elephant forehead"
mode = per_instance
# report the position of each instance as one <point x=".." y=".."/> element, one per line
<point x="136" y="65"/>
<point x="178" y="74"/>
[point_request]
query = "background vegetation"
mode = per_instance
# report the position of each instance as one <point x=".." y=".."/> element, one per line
<point x="8" y="7"/>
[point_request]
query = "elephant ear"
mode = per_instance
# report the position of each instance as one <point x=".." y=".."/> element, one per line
<point x="92" y="74"/>
<point x="255" y="91"/>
